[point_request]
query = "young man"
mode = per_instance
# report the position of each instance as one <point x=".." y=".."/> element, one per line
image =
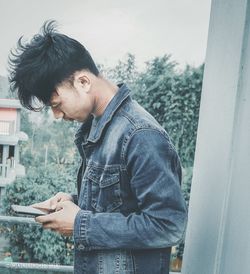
<point x="129" y="209"/>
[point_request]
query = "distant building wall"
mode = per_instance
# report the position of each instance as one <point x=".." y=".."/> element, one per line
<point x="10" y="137"/>
<point x="8" y="121"/>
<point x="8" y="114"/>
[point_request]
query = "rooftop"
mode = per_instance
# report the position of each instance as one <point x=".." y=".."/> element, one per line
<point x="10" y="103"/>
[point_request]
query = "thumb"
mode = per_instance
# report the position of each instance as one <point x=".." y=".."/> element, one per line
<point x="35" y="205"/>
<point x="54" y="201"/>
<point x="59" y="206"/>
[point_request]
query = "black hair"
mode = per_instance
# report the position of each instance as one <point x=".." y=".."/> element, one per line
<point x="38" y="66"/>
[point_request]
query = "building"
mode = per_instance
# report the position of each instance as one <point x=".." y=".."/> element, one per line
<point x="10" y="137"/>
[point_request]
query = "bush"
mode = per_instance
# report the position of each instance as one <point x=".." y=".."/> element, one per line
<point x="32" y="243"/>
<point x="173" y="98"/>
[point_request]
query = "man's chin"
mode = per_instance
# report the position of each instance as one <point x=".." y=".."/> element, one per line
<point x="81" y="120"/>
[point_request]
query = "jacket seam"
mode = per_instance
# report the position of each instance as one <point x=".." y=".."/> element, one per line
<point x="128" y="139"/>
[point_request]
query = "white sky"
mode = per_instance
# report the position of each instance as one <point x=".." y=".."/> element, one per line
<point x="112" y="28"/>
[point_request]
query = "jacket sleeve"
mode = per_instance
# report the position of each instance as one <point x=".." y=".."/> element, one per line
<point x="74" y="198"/>
<point x="154" y="168"/>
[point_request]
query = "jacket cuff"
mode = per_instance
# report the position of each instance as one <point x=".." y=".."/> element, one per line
<point x="80" y="230"/>
<point x="75" y="198"/>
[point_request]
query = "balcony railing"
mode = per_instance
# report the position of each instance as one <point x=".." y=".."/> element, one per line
<point x="31" y="268"/>
<point x="16" y="267"/>
<point x="7" y="127"/>
<point x="4" y="170"/>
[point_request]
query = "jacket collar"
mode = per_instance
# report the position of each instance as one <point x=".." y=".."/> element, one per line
<point x="95" y="126"/>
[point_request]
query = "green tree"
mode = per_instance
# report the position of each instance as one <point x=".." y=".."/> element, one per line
<point x="173" y="98"/>
<point x="32" y="243"/>
<point x="50" y="141"/>
<point x="124" y="72"/>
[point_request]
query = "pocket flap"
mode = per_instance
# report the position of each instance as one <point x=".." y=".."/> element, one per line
<point x="105" y="179"/>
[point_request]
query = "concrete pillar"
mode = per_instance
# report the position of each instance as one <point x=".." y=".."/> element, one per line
<point x="16" y="154"/>
<point x="18" y="120"/>
<point x="218" y="233"/>
<point x="5" y="156"/>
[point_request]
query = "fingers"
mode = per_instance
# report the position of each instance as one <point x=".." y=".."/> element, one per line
<point x="59" y="197"/>
<point x="47" y="218"/>
<point x="42" y="205"/>
<point x="54" y="201"/>
<point x="51" y="217"/>
<point x="51" y="222"/>
<point x="62" y="220"/>
<point x="51" y="204"/>
<point x="62" y="205"/>
<point x="35" y="205"/>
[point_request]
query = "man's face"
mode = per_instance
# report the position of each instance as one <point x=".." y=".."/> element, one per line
<point x="71" y="102"/>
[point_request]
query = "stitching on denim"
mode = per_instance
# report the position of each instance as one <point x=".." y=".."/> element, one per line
<point x="117" y="263"/>
<point x="129" y="138"/>
<point x="96" y="165"/>
<point x="134" y="263"/>
<point x="129" y="117"/>
<point x="100" y="263"/>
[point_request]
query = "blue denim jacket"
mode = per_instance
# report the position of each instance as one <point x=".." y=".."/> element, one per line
<point x="132" y="209"/>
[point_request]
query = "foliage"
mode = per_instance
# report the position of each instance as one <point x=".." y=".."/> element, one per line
<point x="186" y="188"/>
<point x="173" y="98"/>
<point x="50" y="141"/>
<point x="124" y="72"/>
<point x="31" y="243"/>
<point x="51" y="162"/>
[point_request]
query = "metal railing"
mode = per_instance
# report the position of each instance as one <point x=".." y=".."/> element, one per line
<point x="32" y="268"/>
<point x="15" y="267"/>
<point x="7" y="127"/>
<point x="4" y="170"/>
<point x="18" y="220"/>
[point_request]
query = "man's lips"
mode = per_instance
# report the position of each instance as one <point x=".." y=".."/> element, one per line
<point x="67" y="119"/>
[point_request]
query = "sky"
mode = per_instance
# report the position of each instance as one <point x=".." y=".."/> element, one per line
<point x="110" y="29"/>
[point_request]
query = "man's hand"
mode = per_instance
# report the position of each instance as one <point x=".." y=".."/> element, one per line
<point x="61" y="221"/>
<point x="51" y="204"/>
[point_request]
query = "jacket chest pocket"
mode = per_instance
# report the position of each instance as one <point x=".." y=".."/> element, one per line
<point x="105" y="189"/>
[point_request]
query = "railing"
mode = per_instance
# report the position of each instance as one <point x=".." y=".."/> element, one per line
<point x="13" y="268"/>
<point x="16" y="268"/>
<point x="7" y="127"/>
<point x="4" y="170"/>
<point x="31" y="267"/>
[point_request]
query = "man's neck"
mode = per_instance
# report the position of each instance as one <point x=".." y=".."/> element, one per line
<point x="104" y="93"/>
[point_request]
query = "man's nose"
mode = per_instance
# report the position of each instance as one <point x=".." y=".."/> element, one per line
<point x="57" y="113"/>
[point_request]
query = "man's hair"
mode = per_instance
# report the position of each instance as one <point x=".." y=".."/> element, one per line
<point x="38" y="66"/>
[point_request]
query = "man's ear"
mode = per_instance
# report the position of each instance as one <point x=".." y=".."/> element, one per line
<point x="84" y="82"/>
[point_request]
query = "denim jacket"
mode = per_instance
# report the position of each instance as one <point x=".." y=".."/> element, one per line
<point x="132" y="209"/>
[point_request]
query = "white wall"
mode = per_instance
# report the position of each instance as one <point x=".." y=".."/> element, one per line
<point x="218" y="234"/>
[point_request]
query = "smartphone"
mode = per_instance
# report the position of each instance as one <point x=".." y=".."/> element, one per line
<point x="28" y="210"/>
